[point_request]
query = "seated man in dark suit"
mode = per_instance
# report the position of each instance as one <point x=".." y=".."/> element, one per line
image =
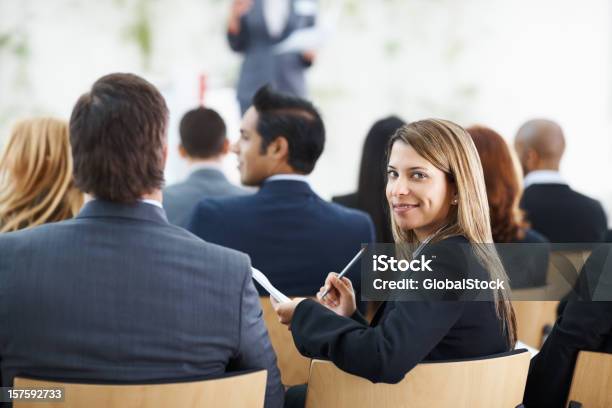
<point x="553" y="208"/>
<point x="585" y="323"/>
<point x="118" y="293"/>
<point x="292" y="235"/>
<point x="204" y="144"/>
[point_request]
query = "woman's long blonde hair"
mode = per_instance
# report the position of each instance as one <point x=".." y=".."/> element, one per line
<point x="36" y="184"/>
<point x="450" y="148"/>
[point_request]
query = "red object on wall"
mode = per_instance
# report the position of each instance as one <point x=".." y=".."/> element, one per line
<point x="202" y="89"/>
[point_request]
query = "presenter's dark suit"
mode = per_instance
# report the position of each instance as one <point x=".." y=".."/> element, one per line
<point x="262" y="64"/>
<point x="402" y="333"/>
<point x="293" y="236"/>
<point x="583" y="325"/>
<point x="119" y="294"/>
<point x="181" y="198"/>
<point x="564" y="215"/>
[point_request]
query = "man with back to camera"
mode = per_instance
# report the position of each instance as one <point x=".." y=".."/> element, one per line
<point x="118" y="293"/>
<point x="552" y="207"/>
<point x="203" y="144"/>
<point x="290" y="233"/>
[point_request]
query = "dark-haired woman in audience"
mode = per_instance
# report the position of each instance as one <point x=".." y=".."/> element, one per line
<point x="370" y="194"/>
<point x="36" y="184"/>
<point x="526" y="265"/>
<point x="436" y="194"/>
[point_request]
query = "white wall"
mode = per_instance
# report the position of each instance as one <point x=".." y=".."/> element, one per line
<point x="492" y="62"/>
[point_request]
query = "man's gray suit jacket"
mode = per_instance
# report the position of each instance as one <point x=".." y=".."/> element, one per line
<point x="119" y="294"/>
<point x="181" y="198"/>
<point x="262" y="63"/>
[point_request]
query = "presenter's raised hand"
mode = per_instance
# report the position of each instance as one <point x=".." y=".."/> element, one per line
<point x="309" y="56"/>
<point x="285" y="310"/>
<point x="239" y="8"/>
<point x="340" y="298"/>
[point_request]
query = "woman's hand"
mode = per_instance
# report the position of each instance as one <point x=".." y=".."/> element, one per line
<point x="340" y="298"/>
<point x="285" y="310"/>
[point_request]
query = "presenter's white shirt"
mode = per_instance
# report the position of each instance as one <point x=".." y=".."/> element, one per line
<point x="276" y="14"/>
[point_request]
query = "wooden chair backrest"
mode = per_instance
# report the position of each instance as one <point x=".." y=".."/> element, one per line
<point x="592" y="381"/>
<point x="532" y="317"/>
<point x="483" y="383"/>
<point x="245" y="390"/>
<point x="293" y="366"/>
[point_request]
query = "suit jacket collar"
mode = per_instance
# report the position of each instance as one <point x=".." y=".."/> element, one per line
<point x="108" y="209"/>
<point x="207" y="175"/>
<point x="286" y="187"/>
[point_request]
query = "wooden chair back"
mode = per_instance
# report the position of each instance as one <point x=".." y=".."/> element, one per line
<point x="592" y="381"/>
<point x="532" y="316"/>
<point x="531" y="319"/>
<point x="293" y="366"/>
<point x="244" y="390"/>
<point x="498" y="381"/>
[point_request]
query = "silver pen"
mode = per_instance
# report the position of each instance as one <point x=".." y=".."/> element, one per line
<point x="345" y="270"/>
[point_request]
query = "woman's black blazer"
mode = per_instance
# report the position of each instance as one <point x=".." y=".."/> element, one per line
<point x="402" y="333"/>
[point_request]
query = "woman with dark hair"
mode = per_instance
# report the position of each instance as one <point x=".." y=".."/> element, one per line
<point x="508" y="223"/>
<point x="370" y="194"/>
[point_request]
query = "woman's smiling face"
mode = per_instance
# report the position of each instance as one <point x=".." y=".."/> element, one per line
<point x="419" y="193"/>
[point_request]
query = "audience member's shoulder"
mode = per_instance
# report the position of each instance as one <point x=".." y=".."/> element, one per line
<point x="223" y="204"/>
<point x="347" y="200"/>
<point x="452" y="247"/>
<point x="452" y="257"/>
<point x="589" y="201"/>
<point x="238" y="191"/>
<point x="593" y="204"/>
<point x="347" y="212"/>
<point x="37" y="233"/>
<point x="207" y="250"/>
<point x="174" y="189"/>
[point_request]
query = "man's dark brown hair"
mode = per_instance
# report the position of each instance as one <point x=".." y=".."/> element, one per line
<point x="118" y="134"/>
<point x="203" y="133"/>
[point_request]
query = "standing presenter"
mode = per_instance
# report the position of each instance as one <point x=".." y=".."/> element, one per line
<point x="261" y="30"/>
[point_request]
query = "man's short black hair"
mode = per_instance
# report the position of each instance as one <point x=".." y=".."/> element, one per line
<point x="203" y="133"/>
<point x="294" y="118"/>
<point x="118" y="136"/>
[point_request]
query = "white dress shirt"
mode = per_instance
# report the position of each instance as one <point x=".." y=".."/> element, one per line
<point x="152" y="202"/>
<point x="276" y="14"/>
<point x="294" y="177"/>
<point x="543" y="177"/>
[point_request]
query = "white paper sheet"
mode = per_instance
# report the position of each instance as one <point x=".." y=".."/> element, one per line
<point x="531" y="350"/>
<point x="263" y="281"/>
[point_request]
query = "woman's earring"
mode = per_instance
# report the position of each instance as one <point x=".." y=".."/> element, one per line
<point x="455" y="201"/>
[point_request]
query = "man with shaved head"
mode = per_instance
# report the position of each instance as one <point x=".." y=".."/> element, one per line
<point x="552" y="207"/>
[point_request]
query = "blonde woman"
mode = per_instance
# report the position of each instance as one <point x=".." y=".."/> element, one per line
<point x="436" y="194"/>
<point x="36" y="184"/>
